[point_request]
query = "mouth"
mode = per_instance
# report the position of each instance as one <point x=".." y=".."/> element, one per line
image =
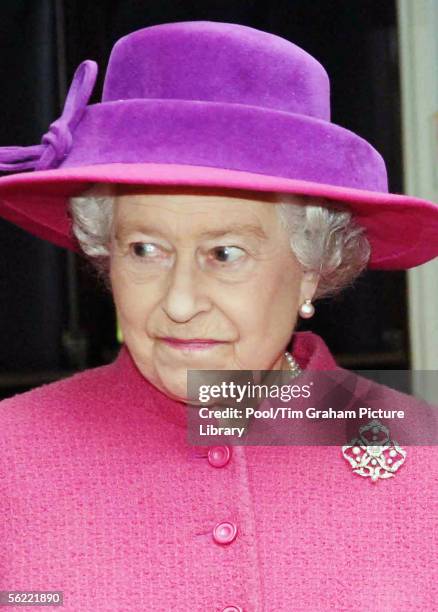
<point x="191" y="344"/>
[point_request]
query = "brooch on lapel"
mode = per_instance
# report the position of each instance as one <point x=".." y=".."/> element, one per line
<point x="374" y="454"/>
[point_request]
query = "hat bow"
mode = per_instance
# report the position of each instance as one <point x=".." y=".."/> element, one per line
<point x="57" y="142"/>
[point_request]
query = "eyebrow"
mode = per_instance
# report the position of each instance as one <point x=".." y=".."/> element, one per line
<point x="246" y="229"/>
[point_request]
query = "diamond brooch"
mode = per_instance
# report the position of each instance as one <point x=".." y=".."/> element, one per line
<point x="374" y="454"/>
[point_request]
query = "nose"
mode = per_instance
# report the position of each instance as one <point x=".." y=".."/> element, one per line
<point x="185" y="295"/>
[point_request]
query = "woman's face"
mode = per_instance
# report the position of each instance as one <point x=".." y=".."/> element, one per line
<point x="206" y="265"/>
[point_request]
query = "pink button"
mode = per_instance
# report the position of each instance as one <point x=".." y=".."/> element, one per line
<point x="225" y="532"/>
<point x="218" y="456"/>
<point x="233" y="609"/>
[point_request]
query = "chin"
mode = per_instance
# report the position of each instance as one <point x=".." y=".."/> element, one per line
<point x="175" y="389"/>
<point x="175" y="393"/>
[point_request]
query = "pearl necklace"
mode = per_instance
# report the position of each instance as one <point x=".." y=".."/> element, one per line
<point x="293" y="365"/>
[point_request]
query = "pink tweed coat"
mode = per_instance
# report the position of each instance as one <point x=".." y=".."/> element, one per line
<point x="102" y="497"/>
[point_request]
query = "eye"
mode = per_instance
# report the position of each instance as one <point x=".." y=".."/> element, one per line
<point x="147" y="250"/>
<point x="227" y="254"/>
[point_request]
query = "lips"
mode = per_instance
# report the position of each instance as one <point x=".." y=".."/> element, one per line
<point x="191" y="343"/>
<point x="190" y="340"/>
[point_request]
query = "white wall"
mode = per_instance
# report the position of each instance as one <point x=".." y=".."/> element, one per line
<point x="418" y="43"/>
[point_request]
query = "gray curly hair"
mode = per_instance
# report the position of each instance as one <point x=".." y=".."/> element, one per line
<point x="323" y="235"/>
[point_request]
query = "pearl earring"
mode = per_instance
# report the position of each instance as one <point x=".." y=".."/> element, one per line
<point x="307" y="309"/>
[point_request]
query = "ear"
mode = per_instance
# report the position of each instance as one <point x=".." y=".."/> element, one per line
<point x="309" y="284"/>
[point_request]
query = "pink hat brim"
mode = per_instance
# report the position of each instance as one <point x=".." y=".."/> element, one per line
<point x="402" y="230"/>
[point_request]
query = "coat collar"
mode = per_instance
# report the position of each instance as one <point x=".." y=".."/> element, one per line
<point x="309" y="350"/>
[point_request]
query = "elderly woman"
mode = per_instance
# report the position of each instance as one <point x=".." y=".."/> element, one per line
<point x="216" y="199"/>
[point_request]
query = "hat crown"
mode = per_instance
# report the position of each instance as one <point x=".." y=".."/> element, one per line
<point x="217" y="62"/>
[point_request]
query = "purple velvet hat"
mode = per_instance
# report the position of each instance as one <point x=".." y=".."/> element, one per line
<point x="211" y="104"/>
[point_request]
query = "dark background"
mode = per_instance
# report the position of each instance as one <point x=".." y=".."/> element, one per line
<point x="55" y="317"/>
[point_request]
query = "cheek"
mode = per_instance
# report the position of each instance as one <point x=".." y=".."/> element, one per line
<point x="132" y="300"/>
<point x="272" y="300"/>
<point x="287" y="294"/>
